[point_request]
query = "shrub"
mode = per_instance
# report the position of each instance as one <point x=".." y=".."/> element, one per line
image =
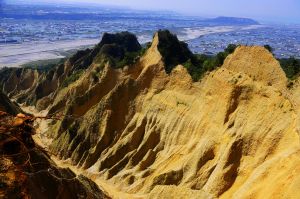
<point x="173" y="51"/>
<point x="72" y="78"/>
<point x="291" y="67"/>
<point x="230" y="48"/>
<point x="269" y="48"/>
<point x="199" y="64"/>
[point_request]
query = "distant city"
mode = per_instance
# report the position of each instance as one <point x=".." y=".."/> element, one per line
<point x="27" y="30"/>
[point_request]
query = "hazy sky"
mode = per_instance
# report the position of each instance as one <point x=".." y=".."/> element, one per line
<point x="268" y="10"/>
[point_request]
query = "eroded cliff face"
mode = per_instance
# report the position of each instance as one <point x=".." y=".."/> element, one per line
<point x="30" y="86"/>
<point x="40" y="87"/>
<point x="154" y="134"/>
<point x="8" y="106"/>
<point x="26" y="170"/>
<point x="150" y="134"/>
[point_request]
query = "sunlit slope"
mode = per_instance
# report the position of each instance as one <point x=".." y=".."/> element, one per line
<point x="148" y="130"/>
<point x="232" y="135"/>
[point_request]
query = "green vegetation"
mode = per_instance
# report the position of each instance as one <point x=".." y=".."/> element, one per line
<point x="118" y="56"/>
<point x="291" y="67"/>
<point x="129" y="58"/>
<point x="269" y="48"/>
<point x="125" y="40"/>
<point x="119" y="49"/>
<point x="81" y="59"/>
<point x="145" y="47"/>
<point x="122" y="49"/>
<point x="173" y="51"/>
<point x="199" y="64"/>
<point x="176" y="52"/>
<point x="97" y="71"/>
<point x="72" y="78"/>
<point x="5" y="73"/>
<point x="44" y="65"/>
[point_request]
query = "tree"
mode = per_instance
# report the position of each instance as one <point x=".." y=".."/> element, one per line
<point x="269" y="48"/>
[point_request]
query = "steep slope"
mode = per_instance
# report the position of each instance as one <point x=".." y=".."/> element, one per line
<point x="40" y="86"/>
<point x="153" y="134"/>
<point x="149" y="131"/>
<point x="27" y="171"/>
<point x="173" y="51"/>
<point x="8" y="106"/>
<point x="249" y="61"/>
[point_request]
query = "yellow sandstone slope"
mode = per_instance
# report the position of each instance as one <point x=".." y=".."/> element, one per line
<point x="153" y="135"/>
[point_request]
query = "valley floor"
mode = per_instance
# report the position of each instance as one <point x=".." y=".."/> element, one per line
<point x="17" y="54"/>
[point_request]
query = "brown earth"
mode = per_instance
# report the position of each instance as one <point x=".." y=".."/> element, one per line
<point x="26" y="171"/>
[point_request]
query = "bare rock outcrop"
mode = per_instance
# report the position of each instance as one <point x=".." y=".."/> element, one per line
<point x="153" y="133"/>
<point x="258" y="63"/>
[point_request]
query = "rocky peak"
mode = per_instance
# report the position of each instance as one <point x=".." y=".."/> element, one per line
<point x="173" y="51"/>
<point x="126" y="40"/>
<point x="258" y="63"/>
<point x="120" y="48"/>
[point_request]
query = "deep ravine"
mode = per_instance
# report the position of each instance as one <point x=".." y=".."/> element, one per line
<point x="41" y="138"/>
